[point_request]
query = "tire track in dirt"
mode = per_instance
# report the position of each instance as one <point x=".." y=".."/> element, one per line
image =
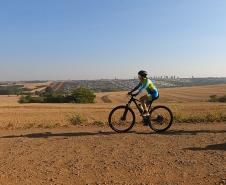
<point x="106" y="99"/>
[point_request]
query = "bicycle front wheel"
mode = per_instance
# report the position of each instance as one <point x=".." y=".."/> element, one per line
<point x="121" y="119"/>
<point x="161" y="118"/>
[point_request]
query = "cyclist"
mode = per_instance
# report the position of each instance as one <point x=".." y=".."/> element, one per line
<point x="152" y="91"/>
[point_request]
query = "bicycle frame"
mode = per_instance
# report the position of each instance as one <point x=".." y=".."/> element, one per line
<point x="135" y="101"/>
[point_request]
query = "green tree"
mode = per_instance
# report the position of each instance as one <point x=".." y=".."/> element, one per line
<point x="83" y="95"/>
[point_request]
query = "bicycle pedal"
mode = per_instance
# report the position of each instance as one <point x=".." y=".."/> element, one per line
<point x="145" y="124"/>
<point x="146" y="120"/>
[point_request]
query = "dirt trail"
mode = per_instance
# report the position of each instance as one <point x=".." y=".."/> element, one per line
<point x="188" y="154"/>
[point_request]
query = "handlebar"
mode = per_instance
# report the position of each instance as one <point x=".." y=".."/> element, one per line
<point x="132" y="95"/>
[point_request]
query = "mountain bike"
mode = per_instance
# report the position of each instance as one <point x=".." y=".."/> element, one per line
<point x="122" y="118"/>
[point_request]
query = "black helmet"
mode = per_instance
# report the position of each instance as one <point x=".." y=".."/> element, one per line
<point x="143" y="73"/>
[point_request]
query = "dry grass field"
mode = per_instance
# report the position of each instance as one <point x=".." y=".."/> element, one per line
<point x="189" y="102"/>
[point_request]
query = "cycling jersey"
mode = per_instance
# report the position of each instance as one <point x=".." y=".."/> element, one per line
<point x="148" y="85"/>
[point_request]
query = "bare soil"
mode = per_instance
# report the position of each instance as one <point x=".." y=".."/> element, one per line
<point x="187" y="154"/>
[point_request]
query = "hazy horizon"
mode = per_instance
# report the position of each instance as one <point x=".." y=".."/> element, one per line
<point x="158" y="77"/>
<point x="83" y="40"/>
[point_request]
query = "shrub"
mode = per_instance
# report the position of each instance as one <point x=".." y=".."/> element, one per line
<point x="31" y="99"/>
<point x="76" y="119"/>
<point x="55" y="98"/>
<point x="222" y="98"/>
<point x="83" y="95"/>
<point x="215" y="98"/>
<point x="80" y="95"/>
<point x="23" y="99"/>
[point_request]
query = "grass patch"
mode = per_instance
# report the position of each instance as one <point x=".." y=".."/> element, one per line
<point x="50" y="125"/>
<point x="100" y="123"/>
<point x="28" y="126"/>
<point x="9" y="126"/>
<point x="76" y="119"/>
<point x="200" y="118"/>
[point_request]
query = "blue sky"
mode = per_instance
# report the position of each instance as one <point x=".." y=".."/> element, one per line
<point x="92" y="39"/>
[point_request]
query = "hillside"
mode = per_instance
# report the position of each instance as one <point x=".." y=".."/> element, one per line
<point x="167" y="95"/>
<point x="103" y="85"/>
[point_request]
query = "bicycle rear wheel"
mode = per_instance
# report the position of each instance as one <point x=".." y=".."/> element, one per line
<point x="161" y="118"/>
<point x="121" y="119"/>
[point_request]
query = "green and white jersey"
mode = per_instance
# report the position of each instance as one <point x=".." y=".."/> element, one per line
<point x="149" y="86"/>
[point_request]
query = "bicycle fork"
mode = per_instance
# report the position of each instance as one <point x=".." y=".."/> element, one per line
<point x="123" y="118"/>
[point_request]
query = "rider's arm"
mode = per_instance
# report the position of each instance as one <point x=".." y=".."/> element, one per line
<point x="136" y="88"/>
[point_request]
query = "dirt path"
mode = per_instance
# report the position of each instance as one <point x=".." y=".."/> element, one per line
<point x="188" y="154"/>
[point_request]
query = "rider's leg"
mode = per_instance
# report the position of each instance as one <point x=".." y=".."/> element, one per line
<point x="148" y="101"/>
<point x="144" y="101"/>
